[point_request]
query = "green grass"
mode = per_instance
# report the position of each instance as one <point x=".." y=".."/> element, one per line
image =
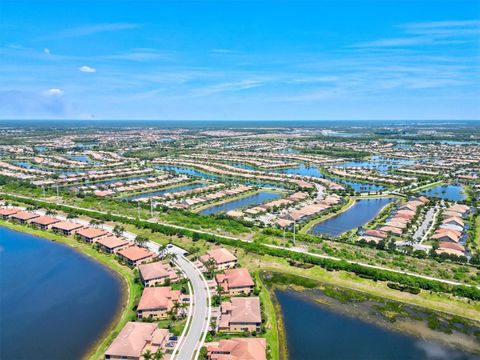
<point x="271" y="323"/>
<point x="131" y="289"/>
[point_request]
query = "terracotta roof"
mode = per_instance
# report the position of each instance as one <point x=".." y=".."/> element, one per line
<point x="243" y="309"/>
<point x="220" y="255"/>
<point x="376" y="233"/>
<point x="158" y="298"/>
<point x="91" y="233"/>
<point x="131" y="341"/>
<point x="45" y="220"/>
<point x="8" y="211"/>
<point x="25" y="215"/>
<point x="135" y="253"/>
<point x="450" y="245"/>
<point x="112" y="242"/>
<point x="67" y="225"/>
<point x="154" y="270"/>
<point x="238" y="349"/>
<point x="236" y="278"/>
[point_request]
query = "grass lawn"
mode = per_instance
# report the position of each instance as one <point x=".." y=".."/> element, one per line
<point x="131" y="290"/>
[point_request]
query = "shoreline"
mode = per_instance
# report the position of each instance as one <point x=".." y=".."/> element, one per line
<point x="93" y="351"/>
<point x="416" y="328"/>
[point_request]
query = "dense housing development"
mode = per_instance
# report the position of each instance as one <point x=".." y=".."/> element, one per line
<point x="199" y="223"/>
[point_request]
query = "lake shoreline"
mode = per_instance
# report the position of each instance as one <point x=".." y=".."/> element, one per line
<point x="358" y="305"/>
<point x="126" y="292"/>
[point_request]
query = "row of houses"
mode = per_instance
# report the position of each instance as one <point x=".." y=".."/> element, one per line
<point x="396" y="223"/>
<point x="451" y="232"/>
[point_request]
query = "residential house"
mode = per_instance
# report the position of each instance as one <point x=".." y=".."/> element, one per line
<point x="24" y="217"/>
<point x="221" y="257"/>
<point x="44" y="222"/>
<point x="66" y="227"/>
<point x="91" y="235"/>
<point x="112" y="244"/>
<point x="157" y="302"/>
<point x="135" y="255"/>
<point x="237" y="349"/>
<point x="135" y="339"/>
<point x="157" y="273"/>
<point x="235" y="282"/>
<point x="240" y="314"/>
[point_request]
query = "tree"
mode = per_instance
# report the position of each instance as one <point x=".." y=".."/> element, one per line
<point x="141" y="240"/>
<point x="118" y="230"/>
<point x="158" y="354"/>
<point x="147" y="355"/>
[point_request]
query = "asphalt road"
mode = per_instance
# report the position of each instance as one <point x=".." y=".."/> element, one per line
<point x="200" y="320"/>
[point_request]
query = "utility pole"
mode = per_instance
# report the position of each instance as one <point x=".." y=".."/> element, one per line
<point x="294" y="226"/>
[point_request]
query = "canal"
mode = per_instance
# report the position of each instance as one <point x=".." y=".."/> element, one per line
<point x="357" y="215"/>
<point x="55" y="303"/>
<point x="254" y="199"/>
<point x="316" y="332"/>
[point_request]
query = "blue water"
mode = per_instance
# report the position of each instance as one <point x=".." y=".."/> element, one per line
<point x="244" y="166"/>
<point x="305" y="170"/>
<point x="255" y="199"/>
<point x="162" y="192"/>
<point x="357" y="215"/>
<point x="55" y="303"/>
<point x="448" y="192"/>
<point x="204" y="175"/>
<point x="81" y="158"/>
<point x="380" y="164"/>
<point x="314" y="332"/>
<point x="27" y="165"/>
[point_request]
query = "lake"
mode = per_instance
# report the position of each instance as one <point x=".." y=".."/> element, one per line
<point x="357" y="215"/>
<point x="55" y="303"/>
<point x="315" y="332"/>
<point x="255" y="199"/>
<point x="163" y="192"/>
<point x="313" y="171"/>
<point x="447" y="192"/>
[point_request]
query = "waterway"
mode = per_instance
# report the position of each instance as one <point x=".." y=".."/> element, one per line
<point x="316" y="332"/>
<point x="254" y="199"/>
<point x="204" y="175"/>
<point x="447" y="192"/>
<point x="357" y="215"/>
<point x="55" y="303"/>
<point x="163" y="192"/>
<point x="313" y="171"/>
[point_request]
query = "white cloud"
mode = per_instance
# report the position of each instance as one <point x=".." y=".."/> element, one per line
<point x="87" y="69"/>
<point x="53" y="92"/>
<point x="91" y="30"/>
<point x="46" y="51"/>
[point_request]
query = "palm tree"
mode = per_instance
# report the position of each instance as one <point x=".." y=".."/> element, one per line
<point x="140" y="240"/>
<point x="158" y="354"/>
<point x="118" y="230"/>
<point x="147" y="355"/>
<point x="161" y="250"/>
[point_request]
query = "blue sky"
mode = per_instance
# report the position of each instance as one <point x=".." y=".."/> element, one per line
<point x="240" y="59"/>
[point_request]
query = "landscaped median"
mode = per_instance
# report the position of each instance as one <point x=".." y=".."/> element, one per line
<point x="131" y="289"/>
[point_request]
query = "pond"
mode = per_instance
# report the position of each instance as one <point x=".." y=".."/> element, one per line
<point x="357" y="215"/>
<point x="313" y="171"/>
<point x="378" y="163"/>
<point x="255" y="199"/>
<point x="316" y="332"/>
<point x="28" y="165"/>
<point x="447" y="192"/>
<point x="162" y="192"/>
<point x="57" y="304"/>
<point x="204" y="175"/>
